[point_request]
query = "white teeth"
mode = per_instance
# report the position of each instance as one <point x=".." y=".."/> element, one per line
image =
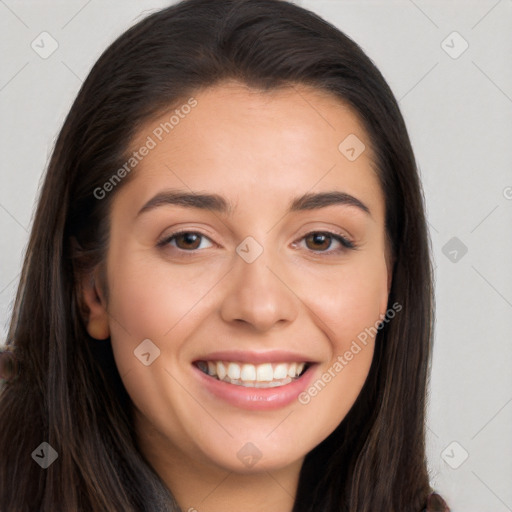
<point x="292" y="370"/>
<point x="257" y="384"/>
<point x="264" y="373"/>
<point x="280" y="371"/>
<point x="262" y="376"/>
<point x="248" y="372"/>
<point x="221" y="370"/>
<point x="233" y="371"/>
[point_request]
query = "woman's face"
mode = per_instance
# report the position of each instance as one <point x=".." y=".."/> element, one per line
<point x="280" y="266"/>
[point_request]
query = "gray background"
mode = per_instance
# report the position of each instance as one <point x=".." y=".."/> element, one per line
<point x="457" y="105"/>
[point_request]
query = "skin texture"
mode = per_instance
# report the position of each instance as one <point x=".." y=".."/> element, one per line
<point x="259" y="150"/>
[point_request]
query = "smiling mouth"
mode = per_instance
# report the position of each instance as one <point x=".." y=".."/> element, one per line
<point x="266" y="375"/>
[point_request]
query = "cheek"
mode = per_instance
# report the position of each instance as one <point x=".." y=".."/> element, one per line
<point x="348" y="308"/>
<point x="336" y="386"/>
<point x="350" y="301"/>
<point x="150" y="300"/>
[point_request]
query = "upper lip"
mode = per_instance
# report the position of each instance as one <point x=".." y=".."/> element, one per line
<point x="252" y="356"/>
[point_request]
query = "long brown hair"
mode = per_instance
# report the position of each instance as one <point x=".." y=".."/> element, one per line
<point x="69" y="393"/>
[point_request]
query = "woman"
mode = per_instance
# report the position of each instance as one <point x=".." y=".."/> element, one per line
<point x="226" y="301"/>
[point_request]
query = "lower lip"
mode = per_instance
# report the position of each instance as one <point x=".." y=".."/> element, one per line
<point x="256" y="398"/>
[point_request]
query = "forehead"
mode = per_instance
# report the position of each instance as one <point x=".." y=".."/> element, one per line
<point x="246" y="142"/>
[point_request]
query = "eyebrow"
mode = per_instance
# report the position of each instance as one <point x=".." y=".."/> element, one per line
<point x="312" y="201"/>
<point x="217" y="203"/>
<point x="188" y="200"/>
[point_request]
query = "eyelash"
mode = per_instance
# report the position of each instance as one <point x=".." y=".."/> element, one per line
<point x="345" y="242"/>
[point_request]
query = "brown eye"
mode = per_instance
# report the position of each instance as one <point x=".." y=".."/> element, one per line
<point x="186" y="241"/>
<point x="322" y="241"/>
<point x="318" y="241"/>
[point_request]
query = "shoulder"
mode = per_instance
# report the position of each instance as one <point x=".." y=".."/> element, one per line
<point x="436" y="504"/>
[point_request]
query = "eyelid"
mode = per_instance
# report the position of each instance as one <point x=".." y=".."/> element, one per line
<point x="346" y="242"/>
<point x="164" y="240"/>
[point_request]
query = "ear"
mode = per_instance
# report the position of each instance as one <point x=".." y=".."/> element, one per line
<point x="93" y="307"/>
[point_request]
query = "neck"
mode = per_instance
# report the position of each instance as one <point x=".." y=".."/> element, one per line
<point x="198" y="490"/>
<point x="200" y="486"/>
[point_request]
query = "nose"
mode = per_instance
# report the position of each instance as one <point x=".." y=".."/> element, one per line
<point x="258" y="295"/>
